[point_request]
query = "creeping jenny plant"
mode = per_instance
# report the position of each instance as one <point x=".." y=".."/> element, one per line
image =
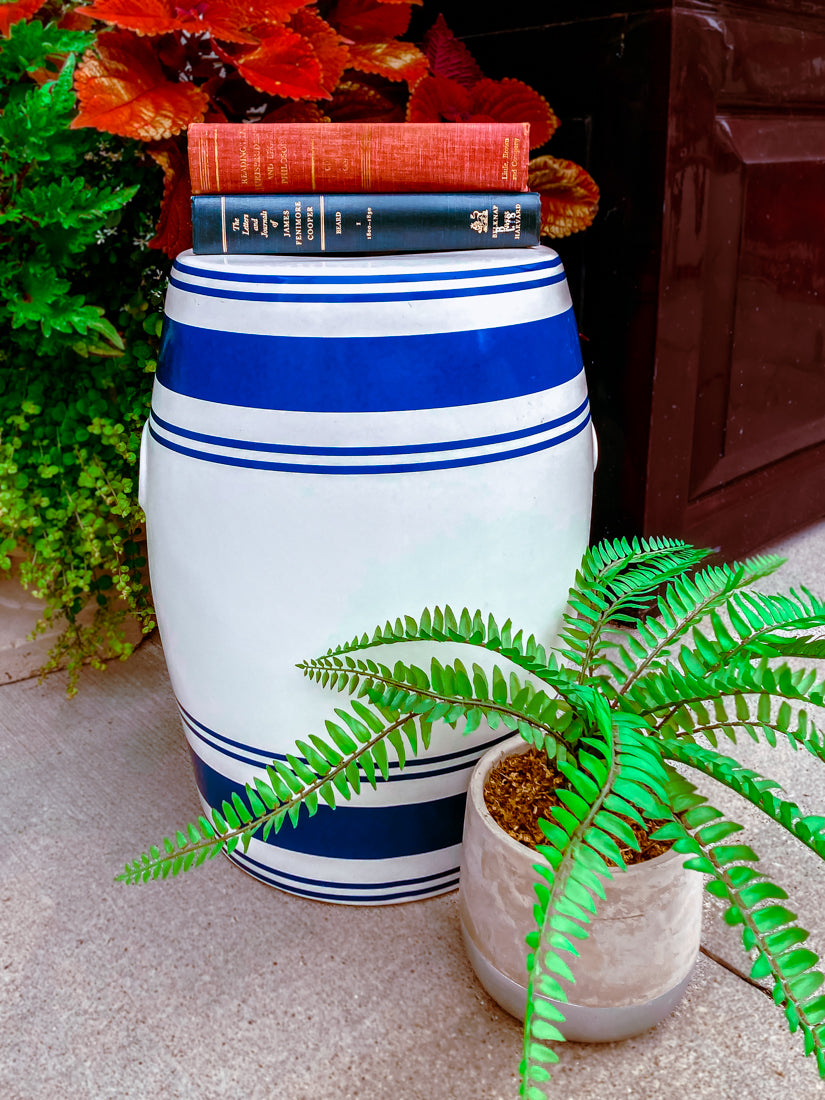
<point x="657" y="660"/>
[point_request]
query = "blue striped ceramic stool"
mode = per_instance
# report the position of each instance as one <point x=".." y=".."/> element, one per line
<point x="336" y="442"/>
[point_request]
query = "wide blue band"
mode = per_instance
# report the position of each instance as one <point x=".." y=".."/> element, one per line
<point x="354" y="832"/>
<point x="369" y="373"/>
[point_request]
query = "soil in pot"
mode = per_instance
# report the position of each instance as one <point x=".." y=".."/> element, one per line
<point x="522" y="787"/>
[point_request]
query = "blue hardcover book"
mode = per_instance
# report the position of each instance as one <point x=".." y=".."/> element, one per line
<point x="396" y="222"/>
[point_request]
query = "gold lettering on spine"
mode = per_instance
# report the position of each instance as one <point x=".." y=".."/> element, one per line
<point x="223" y="222"/>
<point x="217" y="169"/>
<point x="243" y="164"/>
<point x="312" y="163"/>
<point x="323" y="226"/>
<point x="257" y="174"/>
<point x="365" y="159"/>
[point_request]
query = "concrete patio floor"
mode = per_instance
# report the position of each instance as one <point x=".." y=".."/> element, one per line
<point x="215" y="985"/>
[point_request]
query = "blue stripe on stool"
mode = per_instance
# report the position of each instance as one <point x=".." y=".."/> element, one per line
<point x="345" y="892"/>
<point x="369" y="373"/>
<point x="427" y="766"/>
<point x="350" y="297"/>
<point x="354" y="832"/>
<point x="219" y="273"/>
<point x="387" y="468"/>
<point x="401" y="449"/>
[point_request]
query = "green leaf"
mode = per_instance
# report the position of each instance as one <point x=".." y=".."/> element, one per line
<point x="618" y="828"/>
<point x="342" y="740"/>
<point x="577" y="806"/>
<point x="712" y="834"/>
<point x="499" y="690"/>
<point x="379" y="755"/>
<point x="805" y="985"/>
<point x="759" y="891"/>
<point x="796" y="961"/>
<point x="604" y="845"/>
<point x="730" y="853"/>
<point x="772" y="917"/>
<point x="761" y="968"/>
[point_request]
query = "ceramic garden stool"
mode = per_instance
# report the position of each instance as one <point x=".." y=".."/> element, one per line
<point x="332" y="443"/>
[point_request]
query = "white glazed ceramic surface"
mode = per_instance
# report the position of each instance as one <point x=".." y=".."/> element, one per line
<point x="333" y="443"/>
<point x="643" y="942"/>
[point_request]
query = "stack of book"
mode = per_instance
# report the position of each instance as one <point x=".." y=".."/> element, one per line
<point x="312" y="188"/>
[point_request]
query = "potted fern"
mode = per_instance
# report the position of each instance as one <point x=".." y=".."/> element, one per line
<point x="657" y="659"/>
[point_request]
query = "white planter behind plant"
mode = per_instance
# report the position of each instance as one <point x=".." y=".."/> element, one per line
<point x="332" y="441"/>
<point x="635" y="964"/>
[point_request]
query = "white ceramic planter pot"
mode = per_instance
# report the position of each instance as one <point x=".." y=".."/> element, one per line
<point x="635" y="964"/>
<point x="328" y="437"/>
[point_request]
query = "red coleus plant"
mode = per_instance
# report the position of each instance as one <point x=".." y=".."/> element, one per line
<point x="160" y="65"/>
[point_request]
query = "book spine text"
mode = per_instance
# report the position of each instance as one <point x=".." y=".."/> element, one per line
<point x="265" y="158"/>
<point x="318" y="223"/>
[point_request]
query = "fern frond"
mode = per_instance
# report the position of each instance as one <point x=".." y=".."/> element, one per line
<point x="614" y="581"/>
<point x="453" y="693"/>
<point x="608" y="560"/>
<point x="675" y="700"/>
<point x="441" y="624"/>
<point x="328" y="769"/>
<point x="684" y="604"/>
<point x="754" y="787"/>
<point x="768" y="928"/>
<point x="623" y="770"/>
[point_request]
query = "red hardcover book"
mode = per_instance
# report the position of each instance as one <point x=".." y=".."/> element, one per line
<point x="251" y="157"/>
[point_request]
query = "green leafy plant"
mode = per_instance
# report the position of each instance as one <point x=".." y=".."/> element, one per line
<point x="80" y="321"/>
<point x="94" y="105"/>
<point x="657" y="661"/>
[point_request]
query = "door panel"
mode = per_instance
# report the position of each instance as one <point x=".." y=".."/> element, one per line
<point x="766" y="244"/>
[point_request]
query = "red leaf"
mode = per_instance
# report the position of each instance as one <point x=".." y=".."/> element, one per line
<point x="302" y="110"/>
<point x="370" y="20"/>
<point x="150" y="17"/>
<point x="283" y="64"/>
<point x="569" y="195"/>
<point x="512" y="101"/>
<point x="75" y="20"/>
<point x="439" y="99"/>
<point x="13" y="13"/>
<point x="237" y="20"/>
<point x="356" y="100"/>
<point x="229" y="20"/>
<point x="174" y="229"/>
<point x="449" y="57"/>
<point x="327" y="44"/>
<point x="122" y="89"/>
<point x="394" y="60"/>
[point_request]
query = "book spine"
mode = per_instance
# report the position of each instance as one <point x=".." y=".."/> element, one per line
<point x="265" y="158"/>
<point x="321" y="223"/>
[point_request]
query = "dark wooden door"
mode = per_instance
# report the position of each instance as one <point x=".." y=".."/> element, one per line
<point x="700" y="290"/>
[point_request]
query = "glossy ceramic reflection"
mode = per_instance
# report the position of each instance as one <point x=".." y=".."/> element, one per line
<point x="333" y="443"/>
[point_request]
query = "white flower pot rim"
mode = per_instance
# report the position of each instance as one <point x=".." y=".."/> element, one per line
<point x="476" y="791"/>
